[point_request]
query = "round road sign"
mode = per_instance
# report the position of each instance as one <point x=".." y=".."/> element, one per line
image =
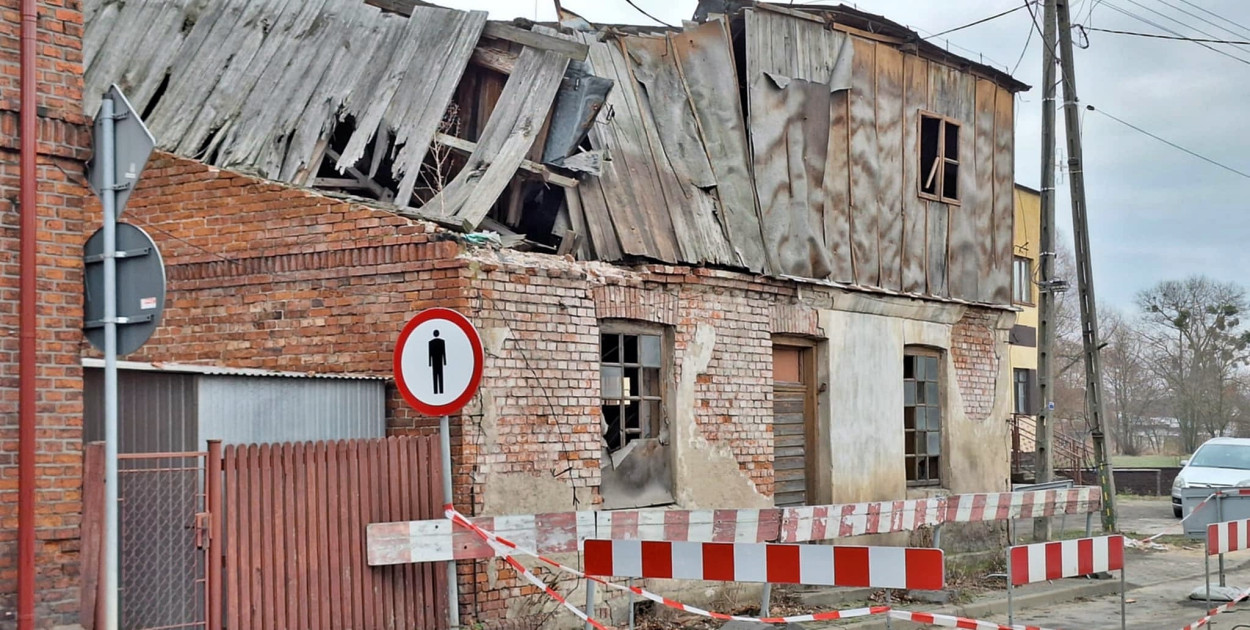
<point x="438" y="361"/>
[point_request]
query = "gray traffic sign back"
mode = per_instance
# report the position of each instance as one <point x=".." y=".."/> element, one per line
<point x="140" y="288"/>
<point x="132" y="146"/>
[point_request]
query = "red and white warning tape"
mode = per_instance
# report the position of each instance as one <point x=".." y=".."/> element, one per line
<point x="1217" y="610"/>
<point x="948" y="621"/>
<point x="503" y="547"/>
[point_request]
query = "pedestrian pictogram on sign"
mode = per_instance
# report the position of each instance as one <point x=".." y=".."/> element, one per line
<point x="438" y="361"/>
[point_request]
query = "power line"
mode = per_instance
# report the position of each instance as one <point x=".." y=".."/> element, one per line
<point x="1169" y="142"/>
<point x="1027" y="40"/>
<point x="1169" y="37"/>
<point x="1200" y="18"/>
<point x="1245" y="29"/>
<point x="970" y="24"/>
<point x="639" y="9"/>
<point x="1168" y="30"/>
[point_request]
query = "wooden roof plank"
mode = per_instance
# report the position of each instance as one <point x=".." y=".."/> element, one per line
<point x="891" y="152"/>
<point x="1004" y="197"/>
<point x="915" y="208"/>
<point x="865" y="171"/>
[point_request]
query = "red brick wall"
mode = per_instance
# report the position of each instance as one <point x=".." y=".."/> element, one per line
<point x="63" y="143"/>
<point x="976" y="361"/>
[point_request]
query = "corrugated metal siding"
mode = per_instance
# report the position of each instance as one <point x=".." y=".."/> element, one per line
<point x="156" y="410"/>
<point x="251" y="410"/>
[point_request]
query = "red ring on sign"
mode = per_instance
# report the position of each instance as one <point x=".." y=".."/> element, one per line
<point x="459" y="321"/>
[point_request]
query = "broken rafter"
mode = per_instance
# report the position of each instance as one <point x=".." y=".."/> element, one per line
<point x="499" y="30"/>
<point x="363" y="181"/>
<point x="492" y="58"/>
<point x="468" y="147"/>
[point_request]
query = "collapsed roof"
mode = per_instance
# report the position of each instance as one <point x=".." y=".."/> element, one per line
<point x="616" y="144"/>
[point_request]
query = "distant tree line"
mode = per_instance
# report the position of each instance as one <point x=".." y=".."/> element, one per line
<point x="1179" y="357"/>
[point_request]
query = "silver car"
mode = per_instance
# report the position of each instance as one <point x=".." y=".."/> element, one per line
<point x="1219" y="463"/>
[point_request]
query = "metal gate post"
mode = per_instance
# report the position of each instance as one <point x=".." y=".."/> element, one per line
<point x="1123" y="594"/>
<point x="212" y="476"/>
<point x="765" y="599"/>
<point x="590" y="602"/>
<point x="1219" y="517"/>
<point x="453" y="594"/>
<point x="1206" y="573"/>
<point x="1011" y="613"/>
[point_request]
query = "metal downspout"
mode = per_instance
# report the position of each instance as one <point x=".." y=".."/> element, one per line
<point x="27" y="325"/>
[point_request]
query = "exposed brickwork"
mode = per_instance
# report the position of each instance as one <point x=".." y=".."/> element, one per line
<point x="976" y="360"/>
<point x="250" y="287"/>
<point x="63" y="145"/>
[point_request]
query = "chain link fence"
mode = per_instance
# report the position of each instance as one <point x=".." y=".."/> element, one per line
<point x="163" y="565"/>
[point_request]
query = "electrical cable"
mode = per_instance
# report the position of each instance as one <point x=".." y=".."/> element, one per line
<point x="971" y="24"/>
<point x="1168" y="37"/>
<point x="1245" y="29"/>
<point x="1169" y="143"/>
<point x="639" y="9"/>
<point x="1168" y="30"/>
<point x="1027" y="41"/>
<point x="1200" y="18"/>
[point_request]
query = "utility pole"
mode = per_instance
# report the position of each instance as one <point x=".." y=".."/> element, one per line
<point x="1084" y="271"/>
<point x="1044" y="435"/>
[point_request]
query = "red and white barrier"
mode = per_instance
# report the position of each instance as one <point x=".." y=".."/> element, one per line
<point x="1217" y="610"/>
<point x="947" y="621"/>
<point x="1000" y="506"/>
<point x="1228" y="536"/>
<point x="563" y="532"/>
<point x="1066" y="558"/>
<point x="824" y="522"/>
<point x="816" y="565"/>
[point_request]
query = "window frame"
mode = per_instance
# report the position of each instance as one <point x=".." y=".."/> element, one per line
<point x="936" y="464"/>
<point x="1020" y="404"/>
<point x="657" y="426"/>
<point x="925" y="171"/>
<point x="1015" y="297"/>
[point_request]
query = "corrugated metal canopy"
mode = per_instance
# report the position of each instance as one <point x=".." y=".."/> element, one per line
<point x="219" y="370"/>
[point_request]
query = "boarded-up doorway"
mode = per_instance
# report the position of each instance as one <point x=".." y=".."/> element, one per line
<point x="794" y="407"/>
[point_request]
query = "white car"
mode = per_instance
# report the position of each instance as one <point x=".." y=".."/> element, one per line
<point x="1219" y="463"/>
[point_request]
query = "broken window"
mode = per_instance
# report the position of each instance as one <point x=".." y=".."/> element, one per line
<point x="922" y="417"/>
<point x="1022" y="281"/>
<point x="939" y="158"/>
<point x="631" y="366"/>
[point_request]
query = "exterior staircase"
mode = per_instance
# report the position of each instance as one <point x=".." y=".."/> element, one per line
<point x="1072" y="457"/>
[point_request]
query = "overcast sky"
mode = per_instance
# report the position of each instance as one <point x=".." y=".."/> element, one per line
<point x="1156" y="213"/>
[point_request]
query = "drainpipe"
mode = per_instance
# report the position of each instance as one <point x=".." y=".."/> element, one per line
<point x="26" y="327"/>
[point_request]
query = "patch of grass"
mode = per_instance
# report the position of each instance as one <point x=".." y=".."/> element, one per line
<point x="1146" y="461"/>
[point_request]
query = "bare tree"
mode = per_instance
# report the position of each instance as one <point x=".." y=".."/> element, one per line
<point x="1133" y="390"/>
<point x="1193" y="332"/>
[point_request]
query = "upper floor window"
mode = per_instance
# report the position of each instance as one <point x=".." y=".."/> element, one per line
<point x="631" y="362"/>
<point x="922" y="417"/>
<point x="1022" y="280"/>
<point x="939" y="158"/>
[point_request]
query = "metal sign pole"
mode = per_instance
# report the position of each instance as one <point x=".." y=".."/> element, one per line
<point x="1219" y="517"/>
<point x="590" y="602"/>
<point x="1206" y="573"/>
<point x="108" y="199"/>
<point x="1011" y="613"/>
<point x="1123" y="594"/>
<point x="765" y="599"/>
<point x="453" y="589"/>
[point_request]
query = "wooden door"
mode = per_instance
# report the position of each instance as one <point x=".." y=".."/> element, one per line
<point x="793" y="424"/>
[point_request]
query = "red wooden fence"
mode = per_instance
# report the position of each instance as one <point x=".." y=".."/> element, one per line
<point x="295" y="519"/>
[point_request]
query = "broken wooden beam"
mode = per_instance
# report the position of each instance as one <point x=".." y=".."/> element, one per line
<point x="492" y="58"/>
<point x="573" y="50"/>
<point x="468" y="147"/>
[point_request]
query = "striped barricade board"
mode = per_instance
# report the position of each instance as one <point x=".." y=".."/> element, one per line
<point x="816" y="565"/>
<point x="1041" y="562"/>
<point x="1228" y="536"/>
<point x="999" y="506"/>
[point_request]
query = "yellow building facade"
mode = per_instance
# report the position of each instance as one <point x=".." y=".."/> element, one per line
<point x="1026" y="253"/>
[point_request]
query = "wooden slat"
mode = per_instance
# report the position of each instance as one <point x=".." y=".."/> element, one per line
<point x="837" y="188"/>
<point x="702" y="53"/>
<point x="468" y="147"/>
<point x="375" y="515"/>
<point x="256" y="554"/>
<point x="890" y="163"/>
<point x="980" y="189"/>
<point x="334" y="541"/>
<point x="421" y="497"/>
<point x="865" y="208"/>
<point x="632" y="197"/>
<point x="291" y="542"/>
<point x="355" y="480"/>
<point x="675" y="145"/>
<point x="1004" y="190"/>
<point x="915" y="209"/>
<point x="234" y="555"/>
<point x="941" y="88"/>
<point x="92" y="533"/>
<point x="264" y="514"/>
<point x="396" y="494"/>
<point x="432" y="456"/>
<point x="280" y="528"/>
<point x="964" y="264"/>
<point x="384" y="486"/>
<point x="325" y="571"/>
<point x="304" y="596"/>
